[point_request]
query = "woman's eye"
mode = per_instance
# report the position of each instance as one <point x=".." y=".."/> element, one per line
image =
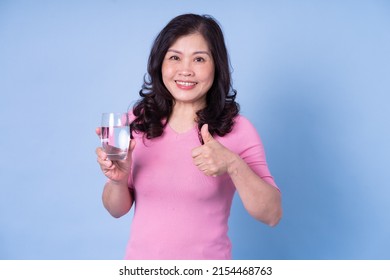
<point x="174" y="57"/>
<point x="199" y="59"/>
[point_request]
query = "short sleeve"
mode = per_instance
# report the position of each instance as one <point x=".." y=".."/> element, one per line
<point x="248" y="145"/>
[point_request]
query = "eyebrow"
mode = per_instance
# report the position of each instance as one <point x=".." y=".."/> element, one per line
<point x="197" y="52"/>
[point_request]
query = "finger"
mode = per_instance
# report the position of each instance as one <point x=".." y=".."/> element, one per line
<point x="103" y="160"/>
<point x="102" y="157"/>
<point x="206" y="136"/>
<point x="210" y="172"/>
<point x="196" y="152"/>
<point x="132" y="145"/>
<point x="105" y="164"/>
<point x="100" y="153"/>
<point x="98" y="131"/>
<point x="108" y="170"/>
<point x="198" y="161"/>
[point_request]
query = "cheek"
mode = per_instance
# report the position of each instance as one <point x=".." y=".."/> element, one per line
<point x="210" y="77"/>
<point x="166" y="73"/>
<point x="167" y="70"/>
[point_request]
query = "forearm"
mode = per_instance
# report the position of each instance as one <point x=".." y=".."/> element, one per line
<point x="260" y="199"/>
<point x="117" y="198"/>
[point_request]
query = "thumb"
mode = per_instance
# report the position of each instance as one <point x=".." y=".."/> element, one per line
<point x="131" y="149"/>
<point x="206" y="136"/>
<point x="98" y="131"/>
<point x="131" y="145"/>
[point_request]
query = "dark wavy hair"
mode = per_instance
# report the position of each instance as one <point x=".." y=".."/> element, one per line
<point x="153" y="109"/>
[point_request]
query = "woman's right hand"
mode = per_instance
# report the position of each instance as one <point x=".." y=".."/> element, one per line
<point x="117" y="171"/>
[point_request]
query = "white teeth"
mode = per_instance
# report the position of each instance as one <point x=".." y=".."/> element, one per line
<point x="186" y="84"/>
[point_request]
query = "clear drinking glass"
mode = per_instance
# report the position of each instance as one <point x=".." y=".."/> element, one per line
<point x="115" y="135"/>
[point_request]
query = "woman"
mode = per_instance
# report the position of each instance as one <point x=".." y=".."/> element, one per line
<point x="190" y="151"/>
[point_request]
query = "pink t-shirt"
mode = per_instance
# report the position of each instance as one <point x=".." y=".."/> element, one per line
<point x="180" y="213"/>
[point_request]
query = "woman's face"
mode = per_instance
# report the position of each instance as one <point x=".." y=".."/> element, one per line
<point x="188" y="70"/>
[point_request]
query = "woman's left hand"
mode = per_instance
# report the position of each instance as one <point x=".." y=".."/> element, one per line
<point x="212" y="158"/>
<point x="260" y="199"/>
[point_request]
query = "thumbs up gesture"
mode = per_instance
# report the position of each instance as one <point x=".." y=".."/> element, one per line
<point x="212" y="158"/>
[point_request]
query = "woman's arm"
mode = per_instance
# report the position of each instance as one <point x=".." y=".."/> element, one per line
<point x="117" y="197"/>
<point x="260" y="199"/>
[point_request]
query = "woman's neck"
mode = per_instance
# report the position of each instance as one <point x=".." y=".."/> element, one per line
<point x="183" y="117"/>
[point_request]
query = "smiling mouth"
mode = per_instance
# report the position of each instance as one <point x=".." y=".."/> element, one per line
<point x="185" y="84"/>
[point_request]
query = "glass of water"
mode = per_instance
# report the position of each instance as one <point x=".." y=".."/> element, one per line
<point x="115" y="135"/>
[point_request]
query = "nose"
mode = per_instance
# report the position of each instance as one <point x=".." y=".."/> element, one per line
<point x="186" y="73"/>
<point x="186" y="69"/>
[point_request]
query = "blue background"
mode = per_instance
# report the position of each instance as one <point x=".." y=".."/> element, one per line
<point x="313" y="76"/>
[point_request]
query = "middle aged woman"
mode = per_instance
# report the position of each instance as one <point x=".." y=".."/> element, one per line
<point x="191" y="150"/>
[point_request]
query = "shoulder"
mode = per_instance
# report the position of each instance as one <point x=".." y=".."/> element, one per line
<point x="243" y="126"/>
<point x="241" y="120"/>
<point x="244" y="139"/>
<point x="243" y="132"/>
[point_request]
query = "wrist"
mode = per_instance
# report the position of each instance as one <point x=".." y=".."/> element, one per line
<point x="122" y="182"/>
<point x="232" y="164"/>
